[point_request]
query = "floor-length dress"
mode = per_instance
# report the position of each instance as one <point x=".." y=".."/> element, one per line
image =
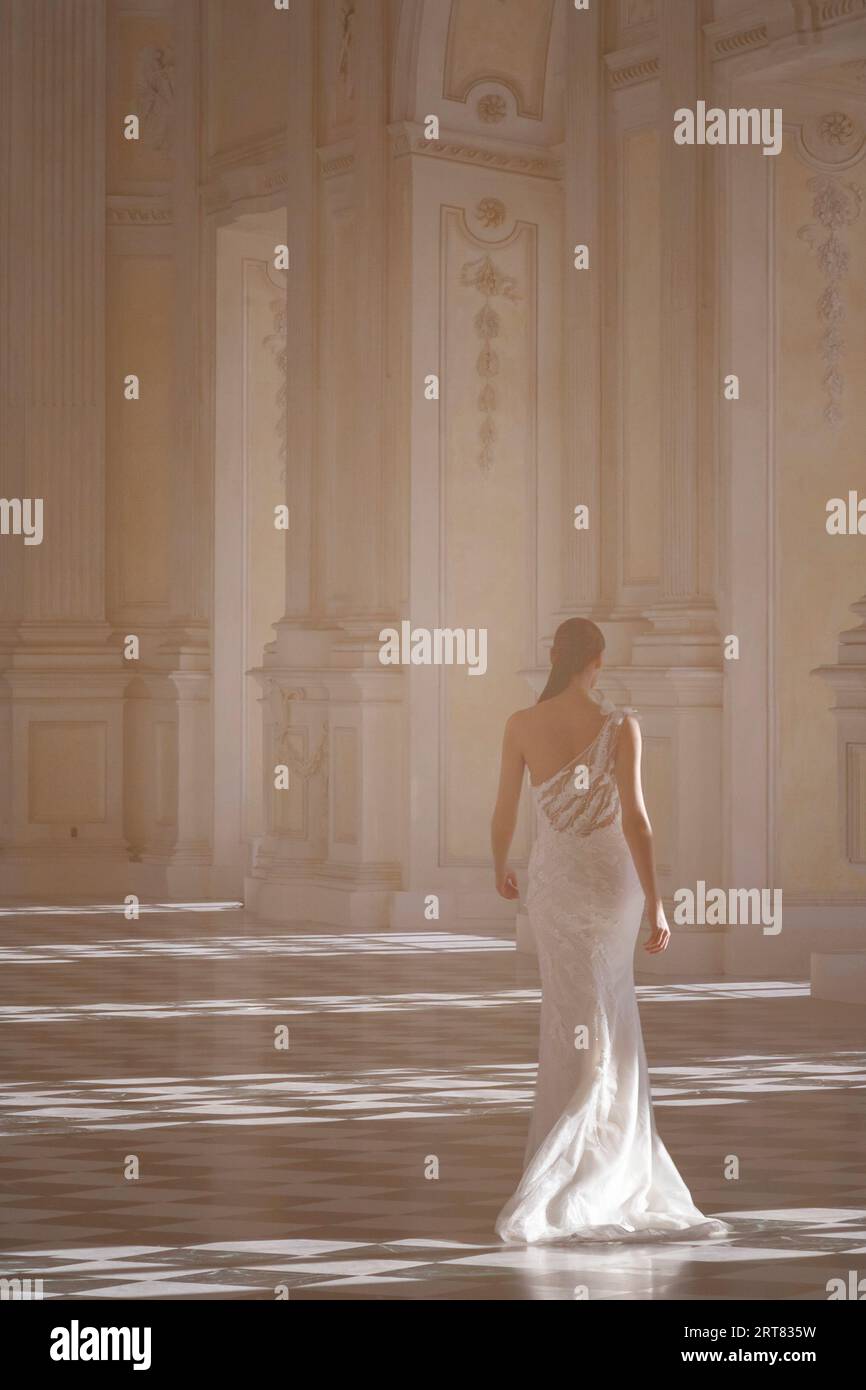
<point x="595" y="1166"/>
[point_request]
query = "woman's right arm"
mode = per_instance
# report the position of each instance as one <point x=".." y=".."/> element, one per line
<point x="637" y="830"/>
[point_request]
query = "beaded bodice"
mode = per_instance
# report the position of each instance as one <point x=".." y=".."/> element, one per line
<point x="583" y="795"/>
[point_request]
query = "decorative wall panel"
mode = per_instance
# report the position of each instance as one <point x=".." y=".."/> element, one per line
<point x="67" y="769"/>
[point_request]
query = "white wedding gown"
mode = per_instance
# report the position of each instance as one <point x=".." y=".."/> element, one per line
<point x="595" y="1167"/>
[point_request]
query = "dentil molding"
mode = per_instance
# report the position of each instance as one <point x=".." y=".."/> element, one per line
<point x="537" y="161"/>
<point x="123" y="210"/>
<point x="628" y="67"/>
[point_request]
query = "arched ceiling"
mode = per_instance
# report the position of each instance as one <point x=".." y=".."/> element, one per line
<point x="492" y="66"/>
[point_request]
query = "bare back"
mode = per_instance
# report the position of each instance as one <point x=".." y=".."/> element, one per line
<point x="556" y="732"/>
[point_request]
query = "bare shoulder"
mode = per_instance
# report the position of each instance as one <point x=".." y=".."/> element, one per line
<point x="629" y="742"/>
<point x="515" y="724"/>
<point x="520" y="718"/>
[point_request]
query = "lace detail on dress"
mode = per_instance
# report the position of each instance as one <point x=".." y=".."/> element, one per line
<point x="581" y="811"/>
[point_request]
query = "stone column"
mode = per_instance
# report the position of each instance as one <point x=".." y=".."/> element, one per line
<point x="63" y="682"/>
<point x="330" y="854"/>
<point x="683" y="617"/>
<point x="53" y="369"/>
<point x="847" y="680"/>
<point x="184" y="656"/>
<point x="295" y="820"/>
<point x="581" y="478"/>
<point x="676" y="677"/>
<point x="302" y="639"/>
<point x="301" y="315"/>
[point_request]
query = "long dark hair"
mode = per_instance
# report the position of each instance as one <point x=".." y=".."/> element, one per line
<point x="576" y="643"/>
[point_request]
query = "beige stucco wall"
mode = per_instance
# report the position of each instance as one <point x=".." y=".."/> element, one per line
<point x="245" y="88"/>
<point x="818" y="574"/>
<point x="486" y="516"/>
<point x="639" y="358"/>
<point x="139" y="436"/>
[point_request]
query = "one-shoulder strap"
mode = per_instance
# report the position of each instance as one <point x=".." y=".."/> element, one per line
<point x="615" y="723"/>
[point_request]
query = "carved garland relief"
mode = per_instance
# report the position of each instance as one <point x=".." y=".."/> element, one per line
<point x="835" y="205"/>
<point x="484" y="276"/>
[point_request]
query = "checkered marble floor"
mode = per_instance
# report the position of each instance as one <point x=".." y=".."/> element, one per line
<point x="197" y="1105"/>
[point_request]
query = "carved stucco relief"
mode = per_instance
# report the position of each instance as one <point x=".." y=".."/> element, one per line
<point x="492" y="108"/>
<point x="485" y="277"/>
<point x="633" y="12"/>
<point x="276" y="342"/>
<point x="835" y="205"/>
<point x="490" y="212"/>
<point x="344" y="60"/>
<point x="154" y="94"/>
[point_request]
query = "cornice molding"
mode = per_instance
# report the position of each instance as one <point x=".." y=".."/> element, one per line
<point x="243" y="185"/>
<point x="729" y="38"/>
<point x="536" y="161"/>
<point x="628" y="67"/>
<point x="829" y="12"/>
<point x="260" y="151"/>
<point x="124" y="210"/>
<point x="761" y="27"/>
<point x="336" y="159"/>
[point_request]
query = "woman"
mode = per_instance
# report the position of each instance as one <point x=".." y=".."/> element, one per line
<point x="595" y="1167"/>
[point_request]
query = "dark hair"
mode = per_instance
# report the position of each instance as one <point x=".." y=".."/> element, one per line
<point x="576" y="643"/>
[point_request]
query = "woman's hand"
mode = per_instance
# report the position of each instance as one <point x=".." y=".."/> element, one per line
<point x="506" y="885"/>
<point x="659" y="937"/>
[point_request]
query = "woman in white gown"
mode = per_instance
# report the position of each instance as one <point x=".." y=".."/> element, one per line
<point x="595" y="1167"/>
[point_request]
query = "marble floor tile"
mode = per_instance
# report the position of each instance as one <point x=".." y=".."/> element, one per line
<point x="159" y="1142"/>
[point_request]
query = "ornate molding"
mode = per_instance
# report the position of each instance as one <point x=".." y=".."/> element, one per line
<point x="304" y="768"/>
<point x="277" y="178"/>
<point x="831" y="142"/>
<point x="837" y="11"/>
<point x="336" y="159"/>
<point x="491" y="108"/>
<point x="741" y="33"/>
<point x="628" y="67"/>
<point x="154" y="93"/>
<point x="344" y="57"/>
<point x="407" y="138"/>
<point x="242" y="185"/>
<point x="491" y="283"/>
<point x="490" y="212"/>
<point x="728" y="42"/>
<point x="835" y="205"/>
<point x="281" y="700"/>
<point x="531" y="26"/>
<point x="277" y="343"/>
<point x="127" y="211"/>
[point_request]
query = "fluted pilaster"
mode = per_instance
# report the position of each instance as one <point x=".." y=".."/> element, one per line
<point x="584" y="142"/>
<point x="680" y="37"/>
<point x="301" y="381"/>
<point x="52" y="373"/>
<point x="190" y="535"/>
<point x="683" y="617"/>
